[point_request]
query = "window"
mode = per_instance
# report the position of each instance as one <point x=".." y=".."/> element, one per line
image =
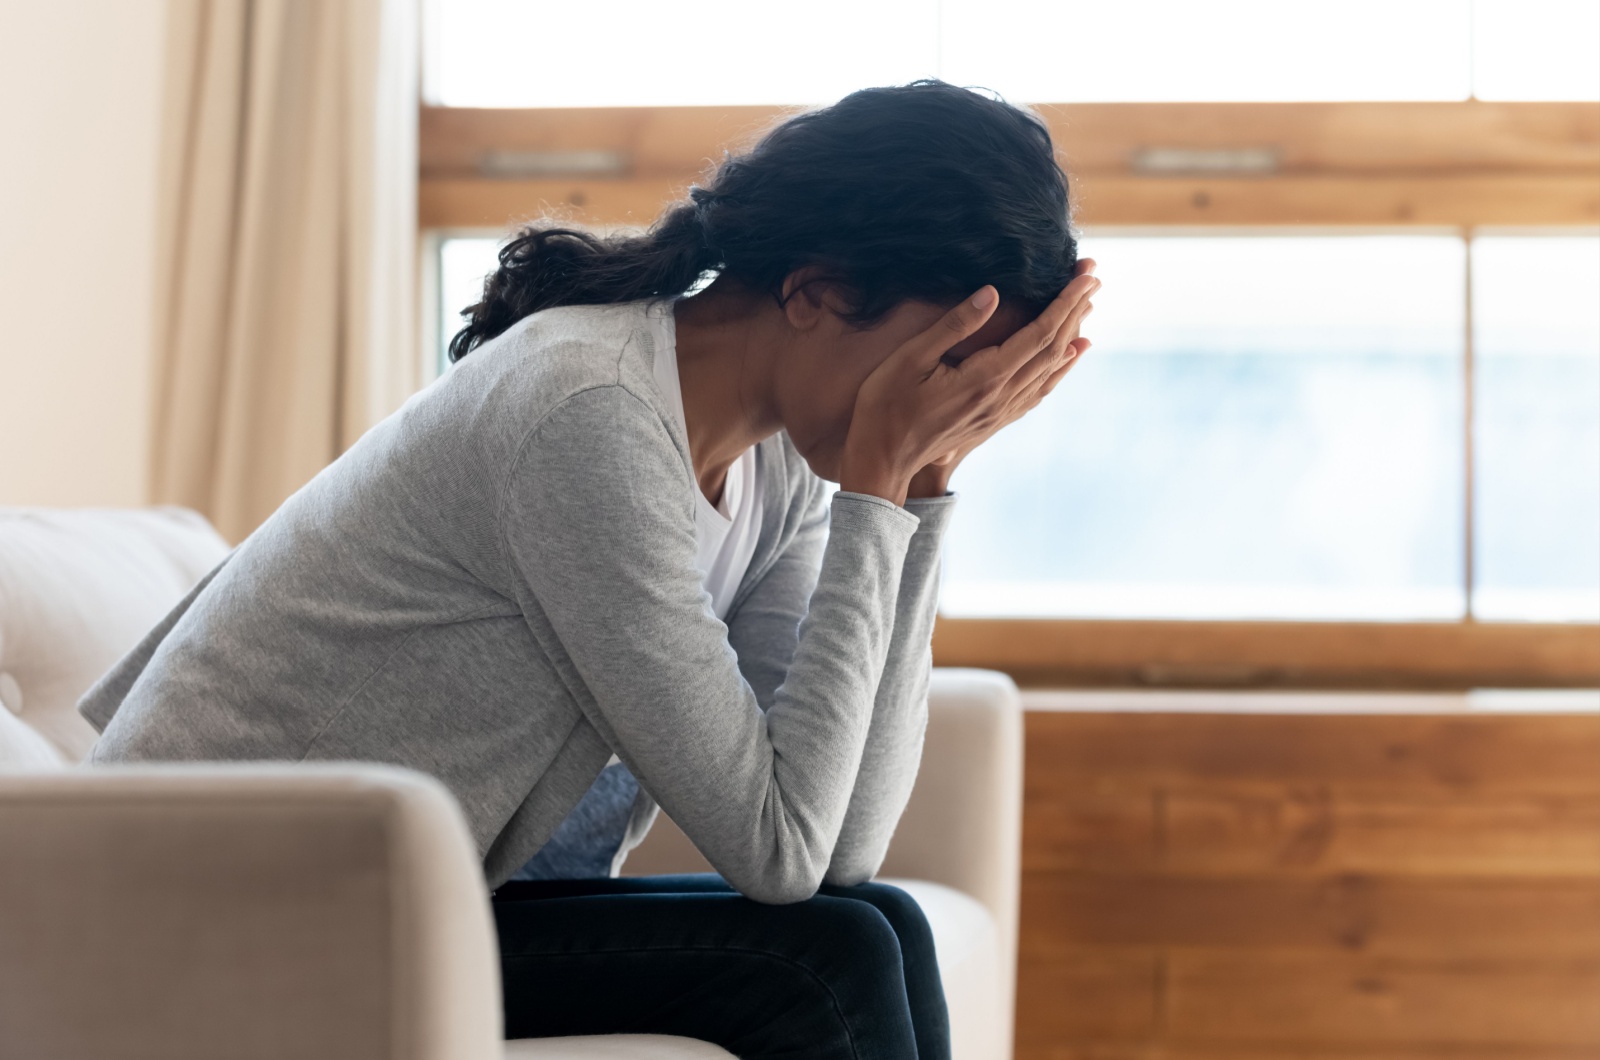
<point x="1267" y="427"/>
<point x="509" y="53"/>
<point x="1219" y="50"/>
<point x="1536" y="49"/>
<point x="463" y="263"/>
<point x="1536" y="312"/>
<point x="1342" y="421"/>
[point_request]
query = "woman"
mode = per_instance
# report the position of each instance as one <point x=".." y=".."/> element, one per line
<point x="605" y="535"/>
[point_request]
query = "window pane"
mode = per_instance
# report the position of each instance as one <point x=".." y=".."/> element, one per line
<point x="463" y="263"/>
<point x="1267" y="427"/>
<point x="1536" y="304"/>
<point x="1536" y="49"/>
<point x="512" y="53"/>
<point x="1178" y="50"/>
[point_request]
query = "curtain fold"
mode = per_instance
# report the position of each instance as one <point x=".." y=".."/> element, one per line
<point x="286" y="243"/>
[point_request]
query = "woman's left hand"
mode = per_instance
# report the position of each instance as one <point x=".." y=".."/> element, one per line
<point x="933" y="480"/>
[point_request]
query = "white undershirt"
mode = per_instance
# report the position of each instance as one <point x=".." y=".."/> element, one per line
<point x="725" y="534"/>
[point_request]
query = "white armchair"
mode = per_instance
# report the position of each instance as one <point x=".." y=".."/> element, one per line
<point x="267" y="910"/>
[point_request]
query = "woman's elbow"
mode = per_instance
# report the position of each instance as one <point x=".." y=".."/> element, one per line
<point x="849" y="871"/>
<point x="778" y="888"/>
<point x="791" y="877"/>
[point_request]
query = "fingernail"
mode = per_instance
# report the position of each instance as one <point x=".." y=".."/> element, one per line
<point x="985" y="298"/>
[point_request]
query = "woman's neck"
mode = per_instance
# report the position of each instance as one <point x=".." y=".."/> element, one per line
<point x="724" y="354"/>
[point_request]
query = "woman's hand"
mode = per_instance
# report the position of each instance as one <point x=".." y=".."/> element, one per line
<point x="917" y="416"/>
<point x="933" y="480"/>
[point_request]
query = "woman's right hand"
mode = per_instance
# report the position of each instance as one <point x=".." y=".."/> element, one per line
<point x="915" y="407"/>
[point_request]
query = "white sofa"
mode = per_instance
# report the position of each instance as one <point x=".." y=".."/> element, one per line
<point x="288" y="910"/>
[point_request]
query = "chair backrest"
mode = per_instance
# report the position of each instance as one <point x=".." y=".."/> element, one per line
<point x="78" y="588"/>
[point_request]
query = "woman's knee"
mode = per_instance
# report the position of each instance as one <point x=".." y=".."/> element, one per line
<point x="888" y="898"/>
<point x="848" y="926"/>
<point x="901" y="910"/>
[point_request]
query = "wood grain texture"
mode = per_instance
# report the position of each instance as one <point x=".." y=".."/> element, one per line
<point x="1133" y="1050"/>
<point x="1438" y="756"/>
<point x="1469" y="163"/>
<point x="1250" y="885"/>
<point x="465" y="202"/>
<point x="1223" y="828"/>
<point x="1357" y="138"/>
<point x="1420" y="655"/>
<point x="1272" y="997"/>
<point x="1328" y="916"/>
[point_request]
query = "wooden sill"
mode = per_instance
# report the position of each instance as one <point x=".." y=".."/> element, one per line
<point x="1439" y="656"/>
<point x="1386" y="163"/>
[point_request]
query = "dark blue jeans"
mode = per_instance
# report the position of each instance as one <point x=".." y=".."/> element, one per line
<point x="849" y="973"/>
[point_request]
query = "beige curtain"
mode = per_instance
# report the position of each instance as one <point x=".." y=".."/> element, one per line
<point x="286" y="246"/>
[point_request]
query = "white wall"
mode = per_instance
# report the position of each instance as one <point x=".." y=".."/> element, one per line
<point x="80" y="99"/>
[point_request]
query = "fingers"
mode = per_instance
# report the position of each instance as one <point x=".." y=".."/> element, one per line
<point x="1051" y="357"/>
<point x="1006" y="359"/>
<point x="1048" y="381"/>
<point x="962" y="321"/>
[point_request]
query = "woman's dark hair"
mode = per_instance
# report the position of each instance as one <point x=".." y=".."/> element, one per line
<point x="924" y="191"/>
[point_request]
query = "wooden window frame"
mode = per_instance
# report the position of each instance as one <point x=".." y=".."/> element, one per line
<point x="1464" y="166"/>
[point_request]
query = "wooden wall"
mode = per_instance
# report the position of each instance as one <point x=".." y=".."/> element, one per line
<point x="1247" y="886"/>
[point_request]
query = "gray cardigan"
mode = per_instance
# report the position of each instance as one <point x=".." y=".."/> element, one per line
<point x="496" y="586"/>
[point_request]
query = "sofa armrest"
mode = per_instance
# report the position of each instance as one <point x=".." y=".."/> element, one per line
<point x="190" y="911"/>
<point x="963" y="825"/>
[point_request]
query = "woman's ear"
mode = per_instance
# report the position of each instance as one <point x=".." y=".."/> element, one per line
<point x="809" y="297"/>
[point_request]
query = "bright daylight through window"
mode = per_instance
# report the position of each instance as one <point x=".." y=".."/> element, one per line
<point x="1072" y="52"/>
<point x="1273" y="423"/>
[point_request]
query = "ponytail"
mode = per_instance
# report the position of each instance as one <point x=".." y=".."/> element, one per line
<point x="544" y="267"/>
<point x="924" y="192"/>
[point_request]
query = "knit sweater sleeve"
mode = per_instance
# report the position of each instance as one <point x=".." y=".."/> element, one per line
<point x="598" y="534"/>
<point x="764" y="631"/>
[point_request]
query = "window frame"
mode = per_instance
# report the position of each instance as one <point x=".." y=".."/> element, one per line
<point x="1473" y="167"/>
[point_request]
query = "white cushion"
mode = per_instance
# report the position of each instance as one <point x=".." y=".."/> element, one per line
<point x="78" y="588"/>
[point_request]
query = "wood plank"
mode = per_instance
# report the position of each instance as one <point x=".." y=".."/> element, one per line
<point x="1297" y="829"/>
<point x="1318" y="830"/>
<point x="463" y="202"/>
<point x="1087" y="994"/>
<point x="658" y="141"/>
<point x="1098" y="826"/>
<point x="1439" y="919"/>
<point x="1339" y="200"/>
<point x="1442" y="655"/>
<point x="500" y="204"/>
<point x="1442" y="755"/>
<point x="1092" y="1049"/>
<point x="1358" y="138"/>
<point x="1277" y="998"/>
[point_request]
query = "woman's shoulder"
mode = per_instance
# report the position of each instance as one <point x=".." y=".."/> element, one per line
<point x="562" y="350"/>
<point x="543" y="361"/>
